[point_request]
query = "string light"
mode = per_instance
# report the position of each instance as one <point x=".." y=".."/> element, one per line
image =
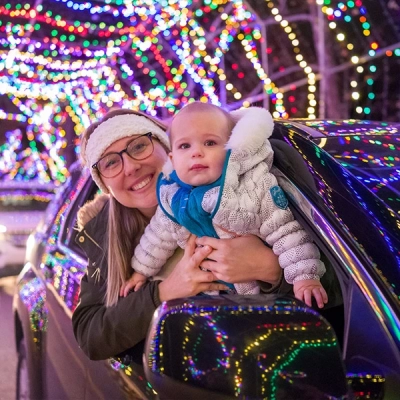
<point x="346" y="11"/>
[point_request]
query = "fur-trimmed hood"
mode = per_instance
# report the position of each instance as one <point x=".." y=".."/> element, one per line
<point x="89" y="210"/>
<point x="254" y="125"/>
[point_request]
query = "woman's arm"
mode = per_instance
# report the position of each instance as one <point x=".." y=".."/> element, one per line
<point x="187" y="279"/>
<point x="103" y="332"/>
<point x="242" y="259"/>
<point x="247" y="258"/>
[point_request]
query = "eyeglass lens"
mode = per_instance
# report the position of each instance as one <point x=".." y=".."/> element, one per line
<point x="112" y="164"/>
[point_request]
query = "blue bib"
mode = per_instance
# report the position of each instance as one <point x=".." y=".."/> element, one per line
<point x="186" y="205"/>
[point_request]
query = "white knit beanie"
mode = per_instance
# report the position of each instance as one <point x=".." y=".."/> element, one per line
<point x="116" y="128"/>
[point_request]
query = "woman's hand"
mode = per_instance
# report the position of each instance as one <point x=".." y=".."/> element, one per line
<point x="187" y="279"/>
<point x="241" y="259"/>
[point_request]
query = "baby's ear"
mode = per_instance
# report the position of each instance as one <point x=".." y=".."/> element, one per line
<point x="168" y="166"/>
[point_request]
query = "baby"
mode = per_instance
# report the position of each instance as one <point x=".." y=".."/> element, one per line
<point x="218" y="183"/>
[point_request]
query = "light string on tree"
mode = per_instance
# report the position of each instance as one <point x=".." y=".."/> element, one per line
<point x="31" y="163"/>
<point x="312" y="101"/>
<point x="142" y="11"/>
<point x="242" y="15"/>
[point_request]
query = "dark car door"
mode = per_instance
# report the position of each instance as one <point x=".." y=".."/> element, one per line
<point x="368" y="328"/>
<point x="369" y="343"/>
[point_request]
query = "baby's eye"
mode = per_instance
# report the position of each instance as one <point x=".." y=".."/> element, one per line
<point x="210" y="143"/>
<point x="184" y="146"/>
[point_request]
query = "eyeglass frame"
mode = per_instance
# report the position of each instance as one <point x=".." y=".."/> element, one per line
<point x="119" y="153"/>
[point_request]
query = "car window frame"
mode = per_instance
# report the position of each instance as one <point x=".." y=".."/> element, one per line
<point x="59" y="197"/>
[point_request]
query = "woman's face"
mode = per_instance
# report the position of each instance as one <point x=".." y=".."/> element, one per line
<point x="135" y="185"/>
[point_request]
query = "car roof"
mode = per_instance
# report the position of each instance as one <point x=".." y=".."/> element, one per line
<point x="333" y="128"/>
<point x="368" y="150"/>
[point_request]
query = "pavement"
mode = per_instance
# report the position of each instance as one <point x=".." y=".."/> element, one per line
<point x="8" y="355"/>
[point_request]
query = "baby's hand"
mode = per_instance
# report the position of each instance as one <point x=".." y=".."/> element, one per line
<point x="135" y="282"/>
<point x="305" y="290"/>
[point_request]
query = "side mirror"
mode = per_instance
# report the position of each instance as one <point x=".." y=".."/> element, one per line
<point x="249" y="347"/>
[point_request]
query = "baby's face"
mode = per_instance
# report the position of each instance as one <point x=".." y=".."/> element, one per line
<point x="198" y="146"/>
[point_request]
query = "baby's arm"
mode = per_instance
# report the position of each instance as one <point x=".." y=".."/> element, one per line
<point x="298" y="255"/>
<point x="304" y="290"/>
<point x="300" y="260"/>
<point x="157" y="244"/>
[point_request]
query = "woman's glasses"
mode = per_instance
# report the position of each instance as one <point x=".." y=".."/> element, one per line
<point x="112" y="164"/>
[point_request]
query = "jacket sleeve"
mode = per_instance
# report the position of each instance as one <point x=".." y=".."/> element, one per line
<point x="298" y="256"/>
<point x="104" y="332"/>
<point x="253" y="203"/>
<point x="281" y="287"/>
<point x="157" y="244"/>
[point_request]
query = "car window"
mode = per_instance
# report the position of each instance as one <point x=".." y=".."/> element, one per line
<point x="82" y="194"/>
<point x="24" y="199"/>
<point x="57" y="214"/>
<point x="59" y="198"/>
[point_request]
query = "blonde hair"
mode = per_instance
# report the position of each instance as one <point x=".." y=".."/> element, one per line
<point x="125" y="225"/>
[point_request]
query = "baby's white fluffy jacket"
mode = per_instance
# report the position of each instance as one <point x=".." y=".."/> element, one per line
<point x="246" y="207"/>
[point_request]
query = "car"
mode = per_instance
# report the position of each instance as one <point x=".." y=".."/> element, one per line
<point x="22" y="204"/>
<point x="342" y="182"/>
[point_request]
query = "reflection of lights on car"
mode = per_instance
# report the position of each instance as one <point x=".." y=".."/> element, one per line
<point x="3" y="228"/>
<point x="30" y="245"/>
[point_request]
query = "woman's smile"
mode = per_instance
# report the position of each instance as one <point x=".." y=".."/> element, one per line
<point x="144" y="182"/>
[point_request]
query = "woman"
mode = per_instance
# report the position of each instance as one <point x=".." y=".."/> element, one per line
<point x="125" y="153"/>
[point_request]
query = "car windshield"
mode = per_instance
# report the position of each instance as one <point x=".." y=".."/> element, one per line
<point x="19" y="199"/>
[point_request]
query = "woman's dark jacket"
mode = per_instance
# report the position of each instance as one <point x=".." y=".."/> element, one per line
<point x="103" y="332"/>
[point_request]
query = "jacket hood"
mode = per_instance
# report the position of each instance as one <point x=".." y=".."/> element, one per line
<point x="254" y="125"/>
<point x="91" y="209"/>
